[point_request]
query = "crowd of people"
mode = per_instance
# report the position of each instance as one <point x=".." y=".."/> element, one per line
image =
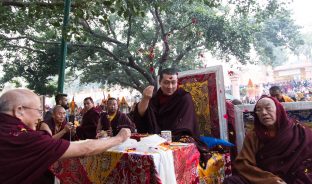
<point x="276" y="151"/>
<point x="297" y="90"/>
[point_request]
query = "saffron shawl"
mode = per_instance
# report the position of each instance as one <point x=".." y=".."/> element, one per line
<point x="289" y="154"/>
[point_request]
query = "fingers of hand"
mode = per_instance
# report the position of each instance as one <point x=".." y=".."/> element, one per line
<point x="125" y="132"/>
<point x="148" y="91"/>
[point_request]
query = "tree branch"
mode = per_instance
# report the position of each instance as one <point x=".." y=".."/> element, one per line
<point x="41" y="4"/>
<point x="165" y="54"/>
<point x="142" y="71"/>
<point x="157" y="28"/>
<point x="23" y="47"/>
<point x="130" y="62"/>
<point x="124" y="83"/>
<point x="129" y="30"/>
<point x="108" y="52"/>
<point x="28" y="38"/>
<point x="87" y="27"/>
<point x="111" y="29"/>
<point x="133" y="79"/>
<point x="185" y="51"/>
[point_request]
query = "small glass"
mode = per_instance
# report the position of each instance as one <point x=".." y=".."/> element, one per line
<point x="166" y="134"/>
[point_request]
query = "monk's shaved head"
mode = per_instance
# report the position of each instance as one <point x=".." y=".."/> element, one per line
<point x="15" y="97"/>
<point x="57" y="108"/>
<point x="22" y="104"/>
<point x="59" y="114"/>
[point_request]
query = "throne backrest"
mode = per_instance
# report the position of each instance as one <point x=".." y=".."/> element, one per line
<point x="207" y="89"/>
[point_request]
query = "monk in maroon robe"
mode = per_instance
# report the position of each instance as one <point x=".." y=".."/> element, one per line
<point x="25" y="154"/>
<point x="171" y="108"/>
<point x="87" y="129"/>
<point x="277" y="151"/>
<point x="57" y="126"/>
<point x="113" y="120"/>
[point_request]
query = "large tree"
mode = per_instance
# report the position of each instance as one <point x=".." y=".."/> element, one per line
<point x="306" y="48"/>
<point x="128" y="43"/>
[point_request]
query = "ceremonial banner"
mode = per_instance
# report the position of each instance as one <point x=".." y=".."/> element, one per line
<point x="207" y="89"/>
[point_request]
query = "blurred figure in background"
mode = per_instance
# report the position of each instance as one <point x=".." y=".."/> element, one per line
<point x="113" y="120"/>
<point x="87" y="128"/>
<point x="276" y="92"/>
<point x="60" y="99"/>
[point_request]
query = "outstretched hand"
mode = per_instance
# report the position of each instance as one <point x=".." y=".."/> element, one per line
<point x="124" y="134"/>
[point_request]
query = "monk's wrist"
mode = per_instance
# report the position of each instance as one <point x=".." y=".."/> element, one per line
<point x="118" y="139"/>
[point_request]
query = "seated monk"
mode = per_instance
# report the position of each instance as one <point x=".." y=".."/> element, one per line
<point x="113" y="120"/>
<point x="60" y="99"/>
<point x="171" y="108"/>
<point x="278" y="150"/>
<point x="25" y="154"/>
<point x="57" y="126"/>
<point x="276" y="92"/>
<point x="87" y="129"/>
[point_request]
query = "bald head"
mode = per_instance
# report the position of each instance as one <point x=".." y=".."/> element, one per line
<point x="13" y="98"/>
<point x="57" y="108"/>
<point x="22" y="104"/>
<point x="59" y="114"/>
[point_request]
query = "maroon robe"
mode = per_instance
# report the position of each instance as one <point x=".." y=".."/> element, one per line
<point x="25" y="154"/>
<point x="52" y="125"/>
<point x="121" y="120"/>
<point x="288" y="155"/>
<point x="175" y="113"/>
<point x="48" y="176"/>
<point x="87" y="130"/>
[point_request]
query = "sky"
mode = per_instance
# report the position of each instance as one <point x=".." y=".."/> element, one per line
<point x="303" y="13"/>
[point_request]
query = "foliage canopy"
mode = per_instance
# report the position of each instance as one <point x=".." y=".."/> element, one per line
<point x="129" y="42"/>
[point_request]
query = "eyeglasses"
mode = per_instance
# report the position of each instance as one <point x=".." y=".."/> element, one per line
<point x="39" y="110"/>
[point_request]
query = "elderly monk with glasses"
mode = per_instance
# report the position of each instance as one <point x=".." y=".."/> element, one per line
<point x="25" y="154"/>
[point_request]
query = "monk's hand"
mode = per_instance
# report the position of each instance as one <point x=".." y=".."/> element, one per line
<point x="72" y="129"/>
<point x="109" y="132"/>
<point x="67" y="128"/>
<point x="148" y="92"/>
<point x="99" y="135"/>
<point x="124" y="134"/>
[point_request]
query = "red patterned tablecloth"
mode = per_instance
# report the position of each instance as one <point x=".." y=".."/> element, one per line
<point x="127" y="167"/>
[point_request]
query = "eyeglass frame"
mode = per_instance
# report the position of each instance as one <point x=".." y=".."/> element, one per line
<point x="39" y="110"/>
